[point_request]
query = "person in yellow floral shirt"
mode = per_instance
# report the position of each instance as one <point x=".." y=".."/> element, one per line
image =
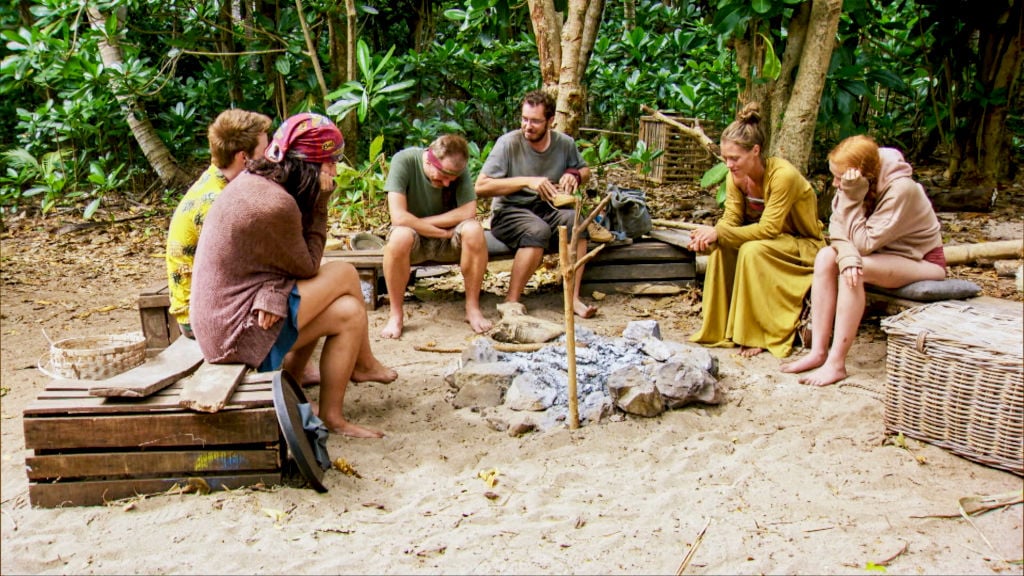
<point x="235" y="136"/>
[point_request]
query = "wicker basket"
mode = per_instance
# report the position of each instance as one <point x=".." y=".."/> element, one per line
<point x="955" y="379"/>
<point x="95" y="357"/>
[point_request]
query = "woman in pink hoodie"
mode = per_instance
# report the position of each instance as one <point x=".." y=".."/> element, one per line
<point x="883" y="232"/>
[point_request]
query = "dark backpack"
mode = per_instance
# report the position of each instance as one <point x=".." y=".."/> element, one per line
<point x="627" y="212"/>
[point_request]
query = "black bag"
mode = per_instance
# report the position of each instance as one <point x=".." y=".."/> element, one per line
<point x="627" y="212"/>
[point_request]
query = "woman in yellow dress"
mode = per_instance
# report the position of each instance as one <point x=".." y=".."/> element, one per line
<point x="762" y="267"/>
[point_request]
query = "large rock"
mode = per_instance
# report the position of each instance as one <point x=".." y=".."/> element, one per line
<point x="685" y="381"/>
<point x="638" y="330"/>
<point x="633" y="392"/>
<point x="529" y="393"/>
<point x="482" y="384"/>
<point x="479" y="350"/>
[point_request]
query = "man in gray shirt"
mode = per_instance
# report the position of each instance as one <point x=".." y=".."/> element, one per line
<point x="524" y="172"/>
<point x="433" y="218"/>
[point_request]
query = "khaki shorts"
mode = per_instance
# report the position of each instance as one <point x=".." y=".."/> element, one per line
<point x="446" y="250"/>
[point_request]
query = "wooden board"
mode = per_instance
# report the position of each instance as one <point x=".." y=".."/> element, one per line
<point x="210" y="387"/>
<point x="177" y="360"/>
<point x="140" y="464"/>
<point x="158" y="326"/>
<point x="640" y="272"/>
<point x="95" y="493"/>
<point x="151" y="430"/>
<point x="70" y="402"/>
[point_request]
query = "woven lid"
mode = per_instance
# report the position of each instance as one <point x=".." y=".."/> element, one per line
<point x="976" y="328"/>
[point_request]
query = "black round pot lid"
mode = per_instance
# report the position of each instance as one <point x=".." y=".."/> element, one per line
<point x="287" y="397"/>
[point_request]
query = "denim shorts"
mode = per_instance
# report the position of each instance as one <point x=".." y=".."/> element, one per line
<point x="289" y="334"/>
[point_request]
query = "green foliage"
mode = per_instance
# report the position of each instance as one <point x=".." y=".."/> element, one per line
<point x="361" y="190"/>
<point x="670" y="60"/>
<point x="600" y="155"/>
<point x="642" y="157"/>
<point x="903" y="70"/>
<point x="46" y="175"/>
<point x="716" y="176"/>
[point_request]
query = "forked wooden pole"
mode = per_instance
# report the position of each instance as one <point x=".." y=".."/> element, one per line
<point x="566" y="259"/>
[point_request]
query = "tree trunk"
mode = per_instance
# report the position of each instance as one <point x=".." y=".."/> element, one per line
<point x="796" y="135"/>
<point x="547" y="31"/>
<point x="569" y="56"/>
<point x="153" y="148"/>
<point x="783" y="89"/>
<point x="983" y="149"/>
<point x="349" y="125"/>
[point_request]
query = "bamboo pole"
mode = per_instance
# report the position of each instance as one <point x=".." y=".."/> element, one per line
<point x="675" y="224"/>
<point x="565" y="253"/>
<point x="964" y="253"/>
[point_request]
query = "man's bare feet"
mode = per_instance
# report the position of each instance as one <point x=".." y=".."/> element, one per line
<point x="748" y="352"/>
<point x="809" y="362"/>
<point x="393" y="329"/>
<point x="377" y="373"/>
<point x="477" y="321"/>
<point x="583" y="310"/>
<point x="827" y="374"/>
<point x="346" y="428"/>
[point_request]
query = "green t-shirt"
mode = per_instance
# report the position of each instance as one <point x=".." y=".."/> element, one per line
<point x="407" y="177"/>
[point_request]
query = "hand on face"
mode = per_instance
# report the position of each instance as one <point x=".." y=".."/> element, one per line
<point x="328" y="170"/>
<point x="849" y="177"/>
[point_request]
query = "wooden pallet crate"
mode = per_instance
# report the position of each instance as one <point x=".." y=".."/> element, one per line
<point x="88" y="450"/>
<point x="645" y="261"/>
<point x="684" y="159"/>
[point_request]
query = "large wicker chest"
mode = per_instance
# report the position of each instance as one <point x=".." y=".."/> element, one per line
<point x="955" y="379"/>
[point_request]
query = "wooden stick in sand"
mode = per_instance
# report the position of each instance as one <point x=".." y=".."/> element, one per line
<point x="569" y="265"/>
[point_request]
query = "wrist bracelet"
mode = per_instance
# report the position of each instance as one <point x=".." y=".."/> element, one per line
<point x="576" y="174"/>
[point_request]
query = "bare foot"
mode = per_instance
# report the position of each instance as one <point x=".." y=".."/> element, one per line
<point x="377" y="373"/>
<point x="750" y="352"/>
<point x="477" y="321"/>
<point x="311" y="376"/>
<point x="346" y="428"/>
<point x="393" y="329"/>
<point x="827" y="374"/>
<point x="583" y="310"/>
<point x="811" y="361"/>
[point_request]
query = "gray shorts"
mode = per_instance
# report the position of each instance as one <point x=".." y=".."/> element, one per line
<point x="446" y="250"/>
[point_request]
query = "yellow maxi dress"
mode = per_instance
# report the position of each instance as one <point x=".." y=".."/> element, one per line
<point x="762" y="269"/>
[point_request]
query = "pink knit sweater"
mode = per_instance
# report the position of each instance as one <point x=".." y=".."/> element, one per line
<point x="252" y="249"/>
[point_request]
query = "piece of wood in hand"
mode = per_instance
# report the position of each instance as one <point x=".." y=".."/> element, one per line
<point x="179" y="359"/>
<point x="210" y="387"/>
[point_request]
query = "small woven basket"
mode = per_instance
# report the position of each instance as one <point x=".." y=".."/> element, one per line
<point x="955" y="379"/>
<point x="94" y="357"/>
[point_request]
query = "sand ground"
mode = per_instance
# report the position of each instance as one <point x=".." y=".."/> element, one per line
<point x="782" y="477"/>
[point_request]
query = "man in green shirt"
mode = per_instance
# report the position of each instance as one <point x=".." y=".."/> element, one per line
<point x="433" y="218"/>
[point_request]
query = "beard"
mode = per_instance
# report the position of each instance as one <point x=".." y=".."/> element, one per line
<point x="537" y="136"/>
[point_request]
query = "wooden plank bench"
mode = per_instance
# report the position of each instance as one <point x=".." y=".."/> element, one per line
<point x="89" y="450"/>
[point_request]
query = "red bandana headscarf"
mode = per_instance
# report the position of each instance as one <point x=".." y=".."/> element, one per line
<point x="307" y="136"/>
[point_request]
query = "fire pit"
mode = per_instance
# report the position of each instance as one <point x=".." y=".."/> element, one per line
<point x="637" y="373"/>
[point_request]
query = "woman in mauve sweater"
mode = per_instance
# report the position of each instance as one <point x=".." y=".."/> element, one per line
<point x="883" y="232"/>
<point x="259" y="294"/>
